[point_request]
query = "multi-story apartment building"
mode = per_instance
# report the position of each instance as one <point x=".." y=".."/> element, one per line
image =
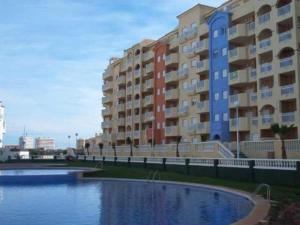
<point x="223" y="71"/>
<point x="2" y="124"/>
<point x="45" y="143"/>
<point x="25" y="142"/>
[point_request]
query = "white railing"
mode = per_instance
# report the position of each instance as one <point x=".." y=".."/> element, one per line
<point x="201" y="162"/>
<point x="240" y="163"/>
<point x="175" y="161"/>
<point x="225" y="152"/>
<point x="275" y="164"/>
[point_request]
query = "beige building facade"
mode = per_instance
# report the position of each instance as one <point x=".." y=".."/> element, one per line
<point x="223" y="71"/>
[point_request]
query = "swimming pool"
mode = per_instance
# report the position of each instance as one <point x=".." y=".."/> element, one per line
<point x="112" y="202"/>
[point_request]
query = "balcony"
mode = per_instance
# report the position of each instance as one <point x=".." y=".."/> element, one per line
<point x="264" y="19"/>
<point x="173" y="43"/>
<point x="137" y="58"/>
<point x="252" y="51"/>
<point x="203" y="66"/>
<point x="121" y="93"/>
<point x="136" y="134"/>
<point x="107" y="99"/>
<point x="149" y="68"/>
<point x="129" y="90"/>
<point x="266" y="69"/>
<point x="106" y="112"/>
<point x="287" y="91"/>
<point x="148" y="56"/>
<point x="107" y="86"/>
<point x="121" y="107"/>
<point x="129" y="62"/>
<point x="238" y="77"/>
<point x="286" y="64"/>
<point x="121" y="121"/>
<point x="183" y="110"/>
<point x="284" y="37"/>
<point x="137" y="73"/>
<point x="107" y="73"/>
<point x="171" y="94"/>
<point x="201" y="47"/>
<point x="128" y="134"/>
<point x="129" y="120"/>
<point x="171" y="131"/>
<point x="202" y="86"/>
<point x="137" y="118"/>
<point x="183" y="73"/>
<point x="121" y="136"/>
<point x="242" y="124"/>
<point x="129" y="105"/>
<point x="239" y="100"/>
<point x="171" y="77"/>
<point x="266" y="93"/>
<point x="188" y="34"/>
<point x="121" y="79"/>
<point x="202" y="128"/>
<point x="266" y="120"/>
<point x="148" y="100"/>
<point x="288" y="118"/>
<point x="148" y="117"/>
<point x="137" y="89"/>
<point x="265" y="45"/>
<point x="238" y="54"/>
<point x="171" y="60"/>
<point x="106" y="124"/>
<point x="129" y="76"/>
<point x="136" y="103"/>
<point x="171" y="112"/>
<point x="253" y="98"/>
<point x="148" y="85"/>
<point x="252" y="73"/>
<point x="202" y="107"/>
<point x="123" y="67"/>
<point x="284" y="12"/>
<point x="238" y="31"/>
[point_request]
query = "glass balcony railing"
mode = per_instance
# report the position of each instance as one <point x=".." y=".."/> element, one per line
<point x="264" y="18"/>
<point x="286" y="62"/>
<point x="285" y="36"/>
<point x="288" y="117"/>
<point x="288" y="90"/>
<point x="233" y="52"/>
<point x="266" y="93"/>
<point x="266" y="67"/>
<point x="284" y="10"/>
<point x="265" y="43"/>
<point x="267" y="119"/>
<point x="183" y="72"/>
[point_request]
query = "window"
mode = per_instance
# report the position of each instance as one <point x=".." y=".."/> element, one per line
<point x="158" y="108"/>
<point x="194" y="63"/>
<point x="194" y="44"/>
<point x="216" y="96"/>
<point x="158" y="125"/>
<point x="163" y="90"/>
<point x="194" y="82"/>
<point x="224" y="51"/>
<point x="223" y="30"/>
<point x="224" y="72"/>
<point x="164" y="56"/>
<point x="185" y="30"/>
<point x="194" y="121"/>
<point x="158" y="58"/>
<point x="215" y="53"/>
<point x="217" y="117"/>
<point x="185" y="85"/>
<point x="185" y="49"/>
<point x="225" y="94"/>
<point x="158" y="91"/>
<point x="216" y="75"/>
<point x="185" y="123"/>
<point x="158" y="75"/>
<point x="163" y="125"/>
<point x="225" y="116"/>
<point x="164" y="73"/>
<point x="185" y="103"/>
<point x="194" y="24"/>
<point x="216" y="33"/>
<point x="184" y="66"/>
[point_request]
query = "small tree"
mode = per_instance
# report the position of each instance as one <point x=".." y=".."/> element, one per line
<point x="129" y="142"/>
<point x="101" y="148"/>
<point x="113" y="145"/>
<point x="177" y="145"/>
<point x="281" y="132"/>
<point x="87" y="146"/>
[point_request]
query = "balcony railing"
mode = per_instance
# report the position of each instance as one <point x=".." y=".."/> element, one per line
<point x="183" y="72"/>
<point x="266" y="67"/>
<point x="264" y="18"/>
<point x="171" y="76"/>
<point x="284" y="10"/>
<point x="171" y="112"/>
<point x="183" y="110"/>
<point x="288" y="117"/>
<point x="286" y="62"/>
<point x="265" y="43"/>
<point x="148" y="100"/>
<point x="288" y="90"/>
<point x="285" y="36"/>
<point x="137" y="73"/>
<point x="267" y="119"/>
<point x="266" y="93"/>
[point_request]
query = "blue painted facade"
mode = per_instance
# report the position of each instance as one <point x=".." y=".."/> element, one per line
<point x="218" y="23"/>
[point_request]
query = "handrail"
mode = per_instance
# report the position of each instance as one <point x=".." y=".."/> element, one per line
<point x="259" y="187"/>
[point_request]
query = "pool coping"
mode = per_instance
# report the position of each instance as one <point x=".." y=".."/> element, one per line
<point x="257" y="215"/>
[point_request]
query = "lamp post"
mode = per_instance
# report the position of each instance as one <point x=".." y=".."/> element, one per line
<point x="69" y="137"/>
<point x="76" y="135"/>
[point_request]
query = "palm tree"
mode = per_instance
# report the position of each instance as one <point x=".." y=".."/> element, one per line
<point x="177" y="145"/>
<point x="113" y="145"/>
<point x="100" y="147"/>
<point x="87" y="146"/>
<point x="129" y="141"/>
<point x="282" y="132"/>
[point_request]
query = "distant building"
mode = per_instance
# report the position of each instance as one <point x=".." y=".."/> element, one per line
<point x="13" y="152"/>
<point x="2" y="124"/>
<point x="44" y="143"/>
<point x="94" y="141"/>
<point x="26" y="142"/>
<point x="80" y="144"/>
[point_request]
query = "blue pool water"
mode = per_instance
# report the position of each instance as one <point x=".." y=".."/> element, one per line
<point x="22" y="172"/>
<point x="118" y="203"/>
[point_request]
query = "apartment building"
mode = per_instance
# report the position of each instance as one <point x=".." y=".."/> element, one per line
<point x="223" y="71"/>
<point x="45" y="143"/>
<point x="26" y="142"/>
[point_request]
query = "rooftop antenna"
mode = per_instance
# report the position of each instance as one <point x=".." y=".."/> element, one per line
<point x="24" y="131"/>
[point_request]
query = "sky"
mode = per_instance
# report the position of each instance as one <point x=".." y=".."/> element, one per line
<point x="53" y="53"/>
